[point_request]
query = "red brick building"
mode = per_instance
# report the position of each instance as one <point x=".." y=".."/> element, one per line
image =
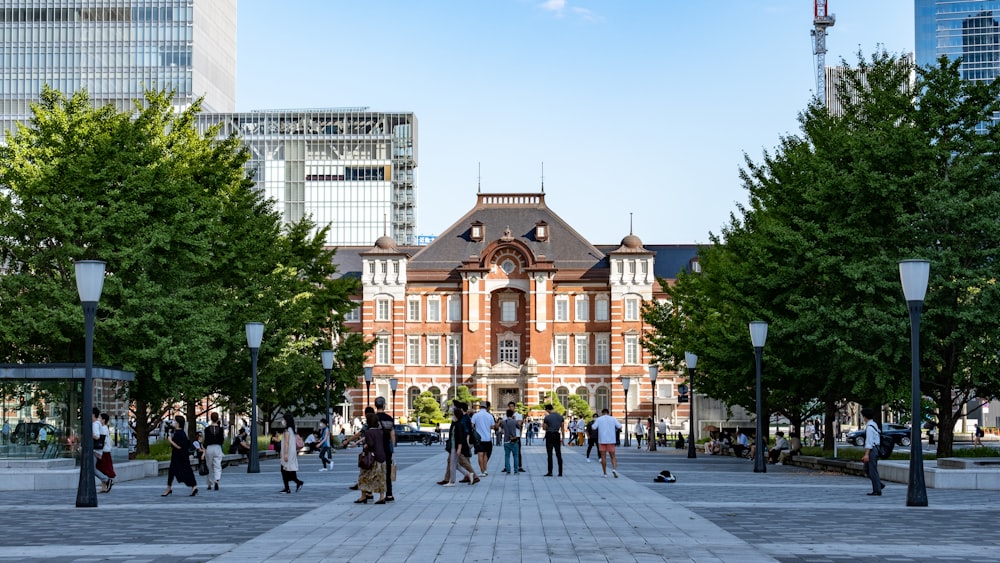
<point x="512" y="302"/>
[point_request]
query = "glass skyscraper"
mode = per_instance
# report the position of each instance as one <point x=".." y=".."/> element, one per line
<point x="115" y="49"/>
<point x="969" y="29"/>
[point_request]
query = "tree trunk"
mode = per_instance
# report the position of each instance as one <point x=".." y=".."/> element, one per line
<point x="141" y="427"/>
<point x="829" y="417"/>
<point x="946" y="425"/>
<point x="795" y="420"/>
<point x="191" y="414"/>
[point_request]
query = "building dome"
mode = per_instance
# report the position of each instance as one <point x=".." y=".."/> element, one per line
<point x="632" y="242"/>
<point x="385" y="242"/>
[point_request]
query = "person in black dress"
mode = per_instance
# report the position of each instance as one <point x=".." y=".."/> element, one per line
<point x="180" y="462"/>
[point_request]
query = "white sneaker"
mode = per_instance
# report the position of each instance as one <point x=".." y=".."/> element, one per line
<point x="448" y="485"/>
<point x="322" y="469"/>
<point x="588" y="460"/>
<point x="615" y="473"/>
<point x="485" y="474"/>
<point x="605" y="475"/>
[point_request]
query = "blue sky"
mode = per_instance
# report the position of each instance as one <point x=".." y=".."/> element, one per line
<point x="642" y="107"/>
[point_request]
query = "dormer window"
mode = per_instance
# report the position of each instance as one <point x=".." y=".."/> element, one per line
<point x="477" y="232"/>
<point x="541" y="231"/>
<point x="695" y="266"/>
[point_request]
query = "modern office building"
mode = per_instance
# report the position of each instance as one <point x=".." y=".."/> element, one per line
<point x="969" y="29"/>
<point x="349" y="168"/>
<point x="514" y="303"/>
<point x="115" y="49"/>
<point x="838" y="91"/>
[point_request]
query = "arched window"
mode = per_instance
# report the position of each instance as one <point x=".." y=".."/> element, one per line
<point x="562" y="394"/>
<point x="411" y="398"/>
<point x="436" y="393"/>
<point x="583" y="394"/>
<point x="602" y="401"/>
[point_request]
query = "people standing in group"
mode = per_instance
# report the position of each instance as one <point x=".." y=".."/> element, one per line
<point x="520" y="434"/>
<point x="639" y="432"/>
<point x="289" y="456"/>
<point x="870" y="459"/>
<point x="388" y="426"/>
<point x="98" y="438"/>
<point x="482" y="423"/>
<point x="214" y="437"/>
<point x="510" y="429"/>
<point x="591" y="437"/>
<point x="180" y="459"/>
<point x="324" y="444"/>
<point x="552" y="425"/>
<point x="461" y="449"/>
<point x="606" y="425"/>
<point x="357" y="437"/>
<point x="104" y="463"/>
<point x="372" y="479"/>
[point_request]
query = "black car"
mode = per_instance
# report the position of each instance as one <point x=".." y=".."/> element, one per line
<point x="899" y="433"/>
<point x="410" y="433"/>
<point x="27" y="432"/>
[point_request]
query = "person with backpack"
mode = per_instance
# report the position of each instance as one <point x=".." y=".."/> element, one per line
<point x="870" y="459"/>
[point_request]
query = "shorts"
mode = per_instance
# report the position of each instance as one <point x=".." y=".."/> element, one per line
<point x="610" y="448"/>
<point x="484" y="447"/>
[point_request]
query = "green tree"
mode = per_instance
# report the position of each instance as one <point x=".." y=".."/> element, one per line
<point x="579" y="406"/>
<point x="426" y="407"/>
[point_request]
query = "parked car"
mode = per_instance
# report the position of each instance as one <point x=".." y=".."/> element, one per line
<point x="411" y="433"/>
<point x="899" y="433"/>
<point x="27" y="432"/>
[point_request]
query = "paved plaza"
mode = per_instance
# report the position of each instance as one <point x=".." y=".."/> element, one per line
<point x="718" y="510"/>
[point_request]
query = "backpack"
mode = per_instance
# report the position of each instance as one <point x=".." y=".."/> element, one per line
<point x="474" y="437"/>
<point x="885" y="445"/>
<point x="299" y="444"/>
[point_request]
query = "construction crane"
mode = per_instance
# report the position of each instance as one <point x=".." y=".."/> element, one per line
<point x="821" y="21"/>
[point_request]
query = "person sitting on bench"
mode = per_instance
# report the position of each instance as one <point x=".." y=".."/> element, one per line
<point x="780" y="444"/>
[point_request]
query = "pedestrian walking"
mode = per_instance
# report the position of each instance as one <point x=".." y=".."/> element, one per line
<point x="99" y="440"/>
<point x="180" y="459"/>
<point x="592" y="437"/>
<point x="606" y="426"/>
<point x="870" y="458"/>
<point x="289" y="456"/>
<point x="324" y="444"/>
<point x="104" y="463"/>
<point x="639" y="432"/>
<point x="388" y="426"/>
<point x="214" y="437"/>
<point x="552" y="425"/>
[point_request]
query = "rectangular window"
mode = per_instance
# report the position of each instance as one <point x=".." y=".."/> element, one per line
<point x="582" y="350"/>
<point x="413" y="310"/>
<point x="382" y="349"/>
<point x="454" y="357"/>
<point x="433" y="309"/>
<point x="434" y="350"/>
<point x="602" y="351"/>
<point x="631" y="349"/>
<point x="510" y="351"/>
<point x="413" y="350"/>
<point x="562" y="350"/>
<point x="454" y="308"/>
<point x="601" y="313"/>
<point x="382" y="310"/>
<point x="562" y="309"/>
<point x="508" y="312"/>
<point x="631" y="308"/>
<point x="353" y="316"/>
<point x="582" y="308"/>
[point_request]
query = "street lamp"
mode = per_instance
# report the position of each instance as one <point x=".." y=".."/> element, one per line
<point x="255" y="333"/>
<point x="89" y="284"/>
<point x="653" y="369"/>
<point x="393" y="384"/>
<point x="913" y="274"/>
<point x="758" y="335"/>
<point x="625" y="382"/>
<point x="327" y="358"/>
<point x="691" y="360"/>
<point x="368" y="386"/>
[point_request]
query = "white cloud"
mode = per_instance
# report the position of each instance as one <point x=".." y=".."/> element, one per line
<point x="559" y="8"/>
<point x="554" y="5"/>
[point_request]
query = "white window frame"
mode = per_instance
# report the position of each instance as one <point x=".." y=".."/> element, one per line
<point x="508" y="311"/>
<point x="582" y="344"/>
<point x="433" y="350"/>
<point x="383" y="309"/>
<point x="631" y="308"/>
<point x="454" y="308"/>
<point x="562" y="309"/>
<point x="582" y="308"/>
<point x="562" y="350"/>
<point x="413" y="309"/>
<point x="354" y="315"/>
<point x="413" y="350"/>
<point x="602" y="350"/>
<point x="602" y="308"/>
<point x="433" y="309"/>
<point x="382" y="350"/>
<point x="454" y="350"/>
<point x="632" y="349"/>
<point x="509" y="350"/>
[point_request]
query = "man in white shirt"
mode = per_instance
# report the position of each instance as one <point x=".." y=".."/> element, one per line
<point x="606" y="425"/>
<point x="482" y="423"/>
<point x="95" y="431"/>
<point x="870" y="459"/>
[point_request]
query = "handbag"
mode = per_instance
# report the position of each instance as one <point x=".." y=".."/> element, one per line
<point x="392" y="471"/>
<point x="202" y="467"/>
<point x="366" y="459"/>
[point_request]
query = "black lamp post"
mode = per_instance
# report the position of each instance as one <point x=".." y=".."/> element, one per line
<point x="255" y="333"/>
<point x="914" y="274"/>
<point x="691" y="359"/>
<point x="758" y="335"/>
<point x="327" y="357"/>
<point x="625" y="382"/>
<point x="393" y="384"/>
<point x="368" y="386"/>
<point x="89" y="284"/>
<point x="653" y="371"/>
